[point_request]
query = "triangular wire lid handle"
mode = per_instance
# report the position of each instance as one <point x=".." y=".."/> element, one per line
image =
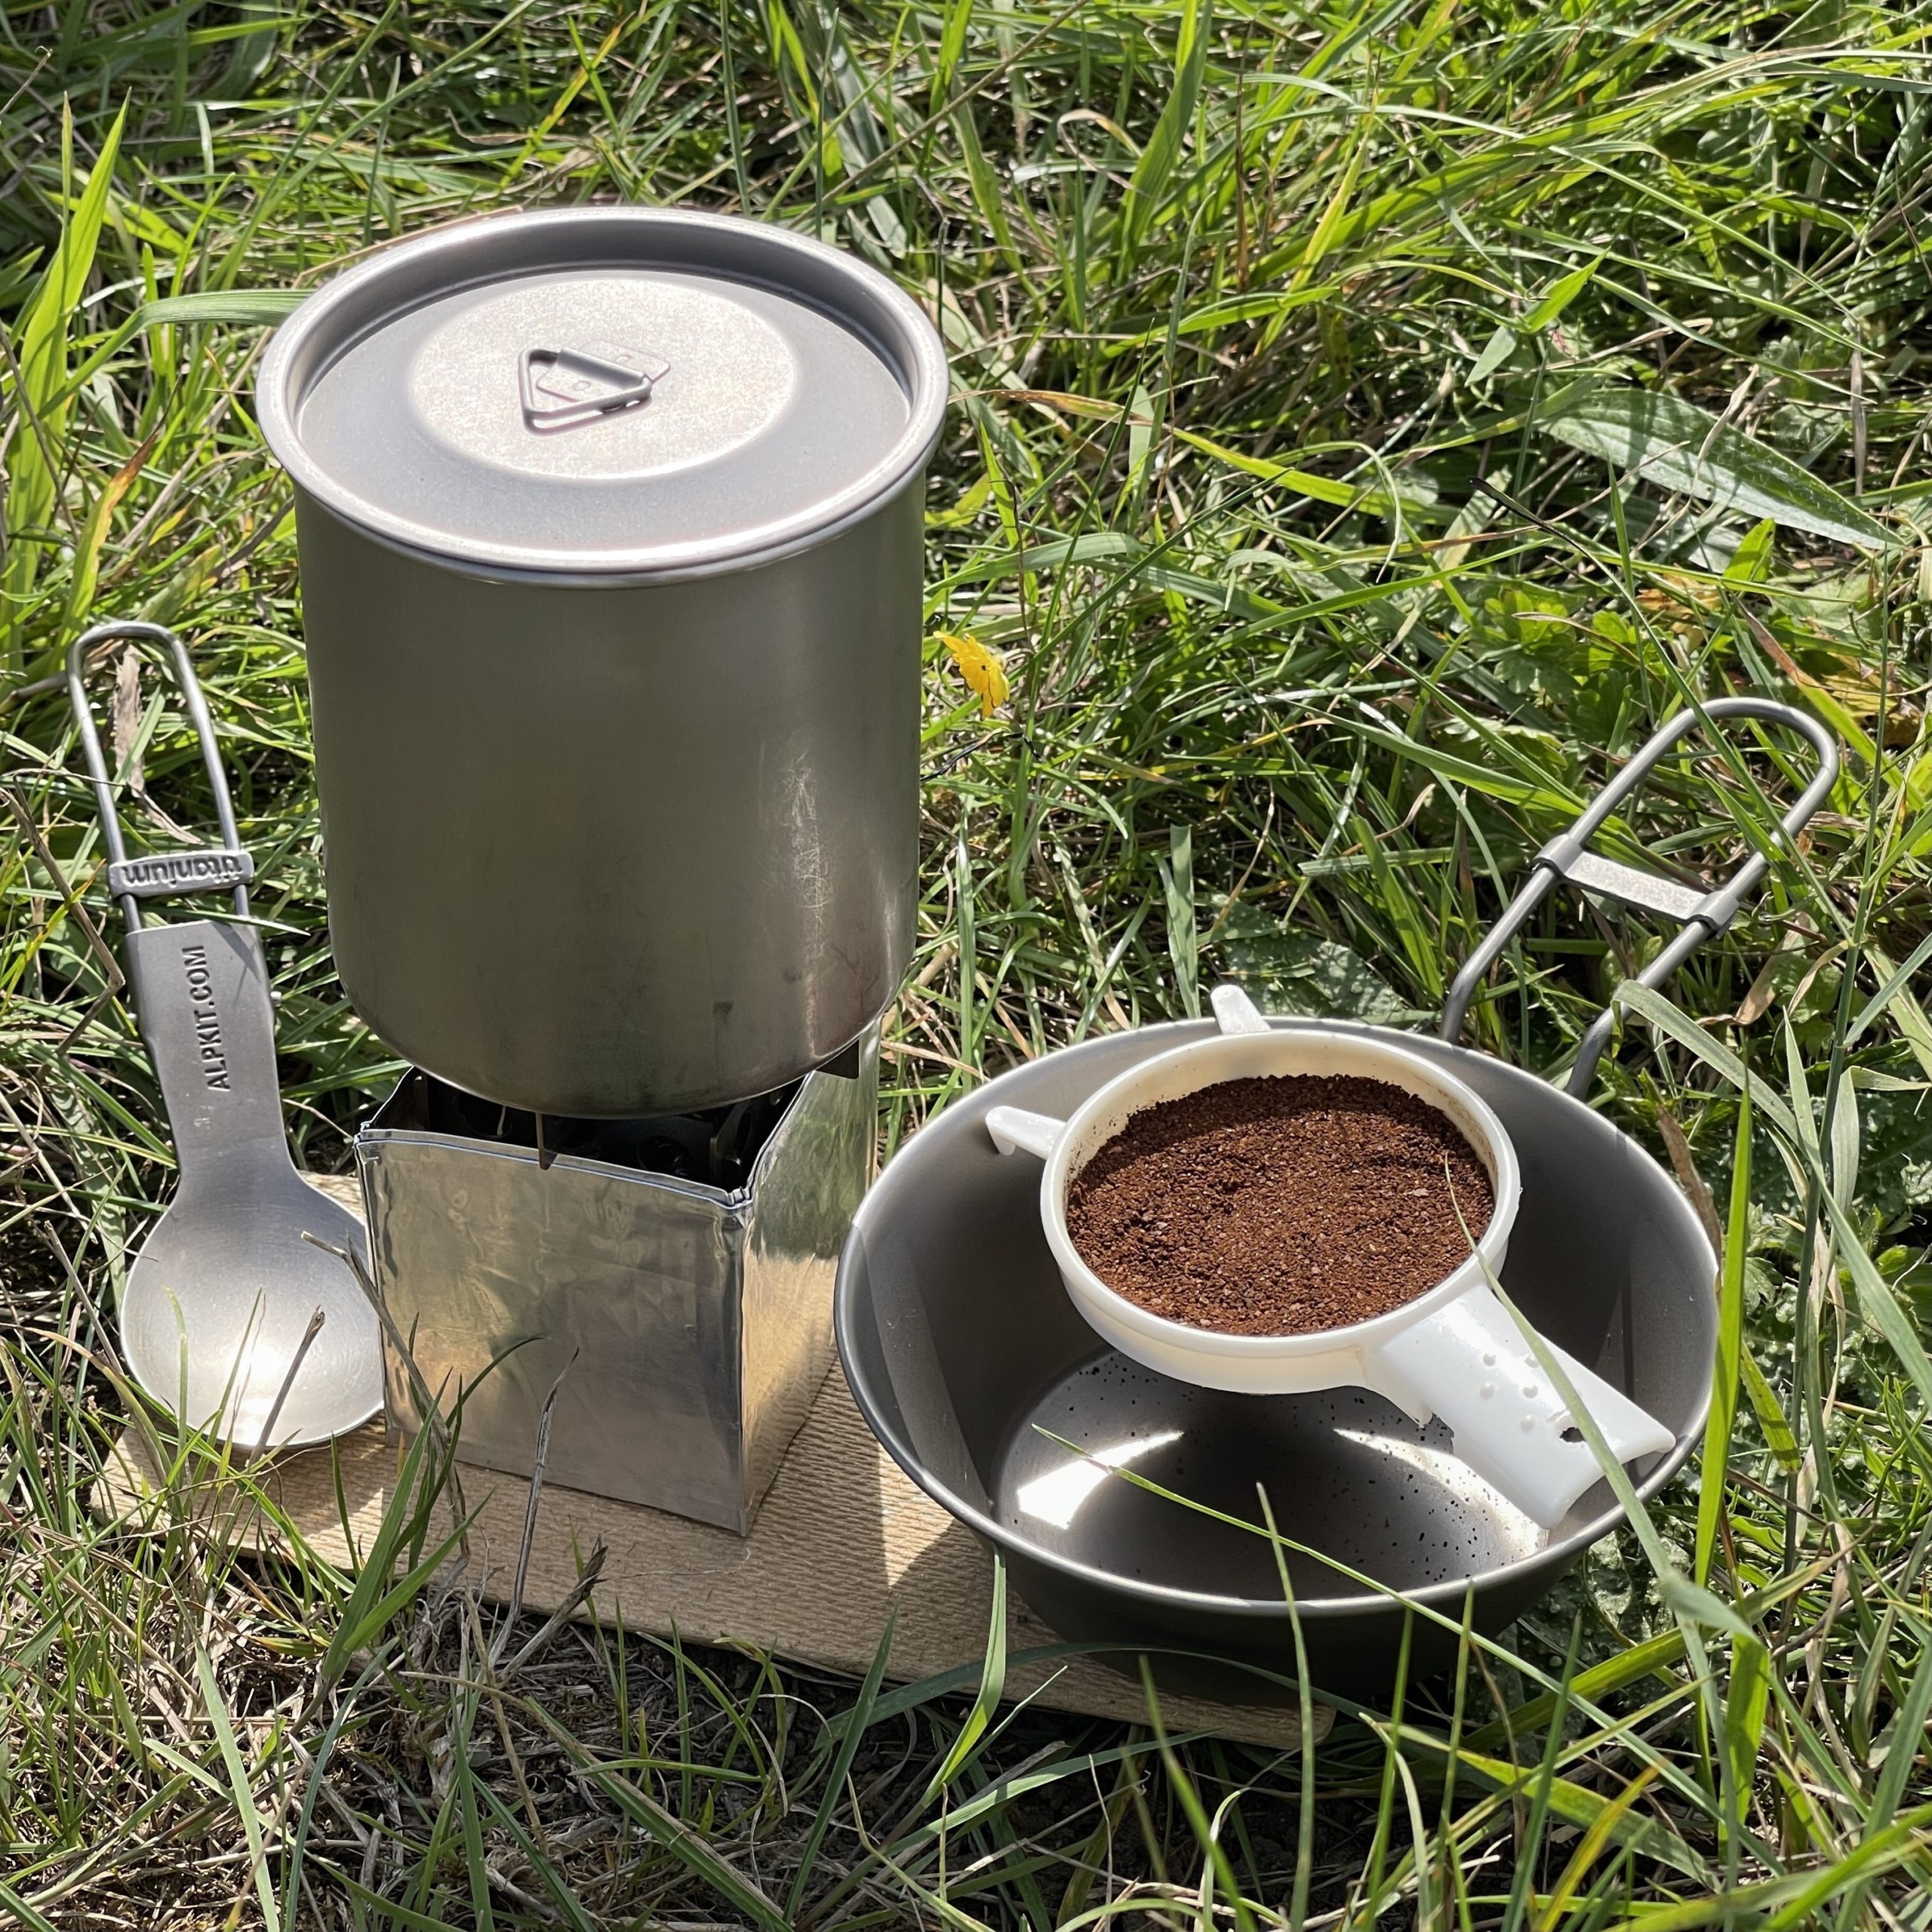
<point x="560" y="387"/>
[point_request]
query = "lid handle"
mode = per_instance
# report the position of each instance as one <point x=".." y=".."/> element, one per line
<point x="562" y="387"/>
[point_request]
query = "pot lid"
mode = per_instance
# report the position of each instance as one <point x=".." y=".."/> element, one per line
<point x="610" y="393"/>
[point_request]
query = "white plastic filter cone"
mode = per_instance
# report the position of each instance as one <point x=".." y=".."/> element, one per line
<point x="1455" y="1351"/>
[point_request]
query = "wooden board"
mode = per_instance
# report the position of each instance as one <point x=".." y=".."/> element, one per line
<point x="844" y="1538"/>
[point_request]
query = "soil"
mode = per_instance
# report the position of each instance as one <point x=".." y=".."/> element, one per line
<point x="1280" y="1206"/>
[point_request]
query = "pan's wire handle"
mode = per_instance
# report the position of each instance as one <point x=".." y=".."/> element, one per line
<point x="1701" y="914"/>
<point x="224" y="868"/>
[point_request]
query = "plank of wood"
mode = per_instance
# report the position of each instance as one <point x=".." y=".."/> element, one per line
<point x="843" y="1539"/>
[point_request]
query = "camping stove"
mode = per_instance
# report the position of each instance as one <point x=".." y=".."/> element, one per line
<point x="671" y="1278"/>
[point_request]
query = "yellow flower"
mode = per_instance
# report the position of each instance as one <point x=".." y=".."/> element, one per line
<point x="981" y="667"/>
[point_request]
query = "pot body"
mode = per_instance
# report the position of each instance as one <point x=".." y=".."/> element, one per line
<point x="609" y="850"/>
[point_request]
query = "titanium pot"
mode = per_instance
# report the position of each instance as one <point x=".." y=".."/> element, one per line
<point x="984" y="1381"/>
<point x="611" y="522"/>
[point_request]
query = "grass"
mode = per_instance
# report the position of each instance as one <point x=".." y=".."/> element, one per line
<point x="1371" y="422"/>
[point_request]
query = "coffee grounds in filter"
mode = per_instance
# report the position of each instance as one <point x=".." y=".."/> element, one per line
<point x="1281" y="1205"/>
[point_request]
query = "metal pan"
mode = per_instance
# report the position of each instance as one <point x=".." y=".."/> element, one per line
<point x="967" y="1358"/>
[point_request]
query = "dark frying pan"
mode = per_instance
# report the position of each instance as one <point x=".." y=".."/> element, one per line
<point x="966" y="1358"/>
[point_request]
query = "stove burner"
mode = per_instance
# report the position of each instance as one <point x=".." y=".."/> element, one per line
<point x="715" y="1149"/>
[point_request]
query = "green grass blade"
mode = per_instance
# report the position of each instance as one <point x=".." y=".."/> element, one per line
<point x="216" y="1706"/>
<point x="1156" y="168"/>
<point x="688" y="1847"/>
<point x="1218" y="1868"/>
<point x="1726" y="1368"/>
<point x="841" y="1765"/>
<point x="1677" y="445"/>
<point x="992" y="1684"/>
<point x="40" y="362"/>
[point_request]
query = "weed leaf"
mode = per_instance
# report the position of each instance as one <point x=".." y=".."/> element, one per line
<point x="1678" y="446"/>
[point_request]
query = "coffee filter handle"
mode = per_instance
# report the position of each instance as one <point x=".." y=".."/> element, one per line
<point x="1234" y="1012"/>
<point x="1015" y="1131"/>
<point x="1469" y="1364"/>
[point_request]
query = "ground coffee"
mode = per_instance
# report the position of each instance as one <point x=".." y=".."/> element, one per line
<point x="1280" y="1206"/>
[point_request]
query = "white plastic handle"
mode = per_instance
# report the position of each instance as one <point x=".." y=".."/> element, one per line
<point x="1469" y="1364"/>
<point x="1234" y="1012"/>
<point x="1014" y="1131"/>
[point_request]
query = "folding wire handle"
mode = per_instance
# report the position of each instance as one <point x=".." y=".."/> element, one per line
<point x="1701" y="914"/>
<point x="222" y="868"/>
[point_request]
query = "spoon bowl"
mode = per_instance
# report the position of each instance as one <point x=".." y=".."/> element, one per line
<point x="218" y="1303"/>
